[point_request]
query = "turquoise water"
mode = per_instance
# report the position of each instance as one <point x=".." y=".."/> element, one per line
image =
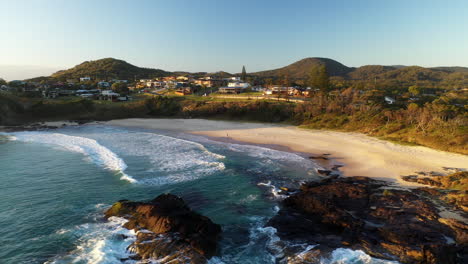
<point x="57" y="184"/>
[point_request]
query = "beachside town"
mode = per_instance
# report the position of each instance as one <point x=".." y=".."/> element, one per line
<point x="112" y="80"/>
<point x="120" y="90"/>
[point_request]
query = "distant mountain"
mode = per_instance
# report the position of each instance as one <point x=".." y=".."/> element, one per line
<point x="109" y="68"/>
<point x="301" y="69"/>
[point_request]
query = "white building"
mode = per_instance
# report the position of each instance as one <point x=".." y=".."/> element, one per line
<point x="85" y="79"/>
<point x="109" y="93"/>
<point x="4" y="88"/>
<point x="234" y="88"/>
<point x="239" y="84"/>
<point x="104" y="84"/>
<point x="154" y="84"/>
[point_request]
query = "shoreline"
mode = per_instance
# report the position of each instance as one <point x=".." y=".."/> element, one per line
<point x="361" y="155"/>
<point x="354" y="153"/>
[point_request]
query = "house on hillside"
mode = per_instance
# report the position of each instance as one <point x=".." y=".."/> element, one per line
<point x="85" y="79"/>
<point x="184" y="91"/>
<point x="234" y="88"/>
<point x="182" y="78"/>
<point x="209" y="82"/>
<point x="109" y="95"/>
<point x="257" y="88"/>
<point x="296" y="91"/>
<point x="103" y="84"/>
<point x="4" y="88"/>
<point x="276" y="89"/>
<point x="169" y="78"/>
<point x="154" y="84"/>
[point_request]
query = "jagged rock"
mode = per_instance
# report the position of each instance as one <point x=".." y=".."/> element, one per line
<point x="460" y="229"/>
<point x="324" y="172"/>
<point x="457" y="180"/>
<point x="169" y="229"/>
<point x="322" y="157"/>
<point x="453" y="188"/>
<point x="362" y="213"/>
<point x="169" y="246"/>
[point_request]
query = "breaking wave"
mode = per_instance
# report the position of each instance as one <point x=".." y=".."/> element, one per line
<point x="97" y="153"/>
<point x="171" y="160"/>
<point x="103" y="243"/>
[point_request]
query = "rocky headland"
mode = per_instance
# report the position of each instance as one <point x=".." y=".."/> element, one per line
<point x="168" y="229"/>
<point x="365" y="214"/>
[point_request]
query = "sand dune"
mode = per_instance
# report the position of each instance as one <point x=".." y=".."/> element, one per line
<point x="362" y="155"/>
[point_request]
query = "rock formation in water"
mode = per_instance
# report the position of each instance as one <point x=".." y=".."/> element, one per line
<point x="361" y="213"/>
<point x="168" y="229"/>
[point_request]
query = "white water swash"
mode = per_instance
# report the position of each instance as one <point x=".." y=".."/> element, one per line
<point x="217" y="179"/>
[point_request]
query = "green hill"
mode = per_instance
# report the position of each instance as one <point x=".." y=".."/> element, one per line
<point x="301" y="69"/>
<point x="369" y="71"/>
<point x="446" y="77"/>
<point x="108" y="68"/>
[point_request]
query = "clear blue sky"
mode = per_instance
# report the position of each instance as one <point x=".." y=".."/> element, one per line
<point x="224" y="35"/>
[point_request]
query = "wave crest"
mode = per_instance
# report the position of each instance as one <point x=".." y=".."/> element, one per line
<point x="98" y="154"/>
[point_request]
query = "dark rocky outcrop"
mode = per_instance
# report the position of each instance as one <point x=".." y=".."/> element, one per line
<point x="452" y="188"/>
<point x="362" y="213"/>
<point x="168" y="229"/>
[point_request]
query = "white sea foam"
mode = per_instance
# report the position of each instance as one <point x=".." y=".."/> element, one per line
<point x="6" y="136"/>
<point x="275" y="191"/>
<point x="103" y="243"/>
<point x="349" y="256"/>
<point x="171" y="159"/>
<point x="89" y="147"/>
<point x="268" y="159"/>
<point x="261" y="152"/>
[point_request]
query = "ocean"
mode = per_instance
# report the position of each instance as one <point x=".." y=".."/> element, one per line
<point x="56" y="184"/>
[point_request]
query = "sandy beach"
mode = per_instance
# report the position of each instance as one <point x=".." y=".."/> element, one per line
<point x="362" y="155"/>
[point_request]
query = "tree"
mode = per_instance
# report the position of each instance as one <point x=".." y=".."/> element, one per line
<point x="2" y="82"/>
<point x="318" y="78"/>
<point x="120" y="88"/>
<point x="286" y="82"/>
<point x="415" y="90"/>
<point x="244" y="74"/>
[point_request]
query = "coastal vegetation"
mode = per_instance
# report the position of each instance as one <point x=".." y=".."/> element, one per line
<point x="437" y="124"/>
